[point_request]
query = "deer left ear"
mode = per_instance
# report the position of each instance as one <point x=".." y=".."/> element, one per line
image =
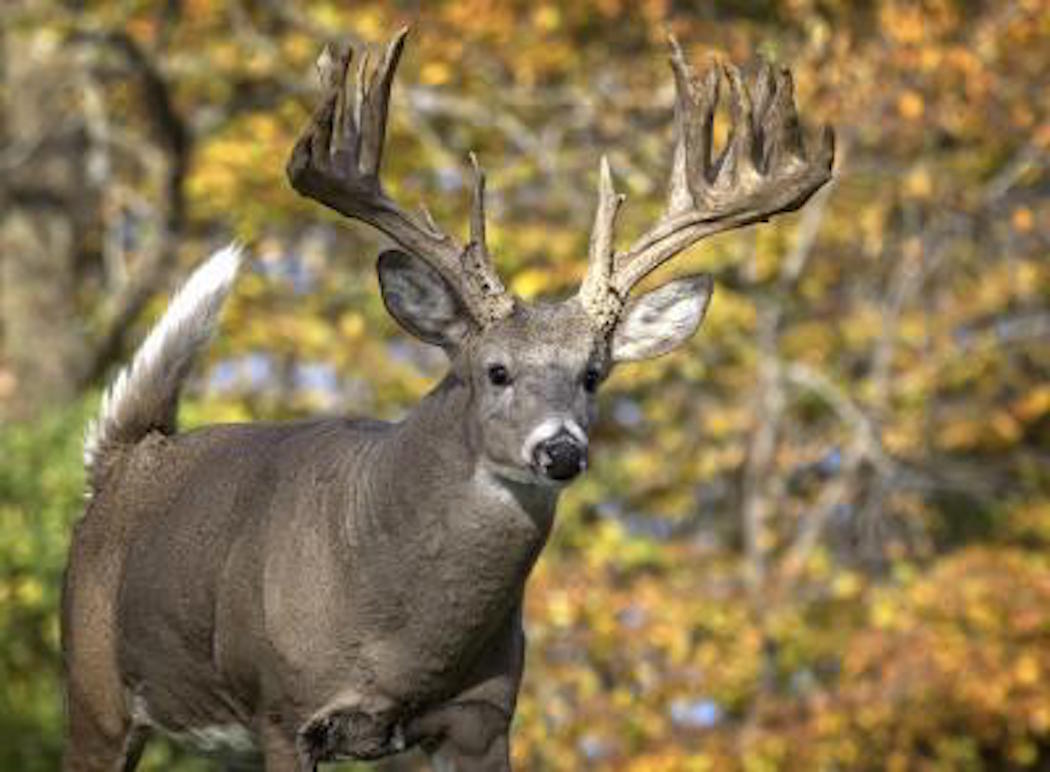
<point x="421" y="301"/>
<point x="659" y="321"/>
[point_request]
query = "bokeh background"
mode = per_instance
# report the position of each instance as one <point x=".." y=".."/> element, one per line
<point x="816" y="538"/>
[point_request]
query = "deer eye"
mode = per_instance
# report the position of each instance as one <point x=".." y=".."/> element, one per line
<point x="499" y="375"/>
<point x="591" y="378"/>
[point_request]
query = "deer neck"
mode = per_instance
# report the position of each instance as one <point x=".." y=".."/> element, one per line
<point x="435" y="541"/>
<point x="435" y="482"/>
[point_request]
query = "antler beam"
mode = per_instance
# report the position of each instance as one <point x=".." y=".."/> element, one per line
<point x="337" y="162"/>
<point x="763" y="170"/>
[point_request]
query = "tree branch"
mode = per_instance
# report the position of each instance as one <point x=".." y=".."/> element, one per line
<point x="128" y="302"/>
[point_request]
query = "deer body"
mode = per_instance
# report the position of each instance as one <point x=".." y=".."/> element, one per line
<point x="288" y="594"/>
<point x="335" y="567"/>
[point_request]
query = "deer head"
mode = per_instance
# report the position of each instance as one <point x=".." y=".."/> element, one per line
<point x="533" y="368"/>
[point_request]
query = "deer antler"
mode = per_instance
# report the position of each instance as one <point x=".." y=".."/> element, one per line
<point x="763" y="170"/>
<point x="337" y="160"/>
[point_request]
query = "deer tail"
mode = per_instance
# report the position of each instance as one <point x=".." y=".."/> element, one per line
<point x="144" y="396"/>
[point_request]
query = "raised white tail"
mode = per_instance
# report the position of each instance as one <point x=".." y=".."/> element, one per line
<point x="144" y="395"/>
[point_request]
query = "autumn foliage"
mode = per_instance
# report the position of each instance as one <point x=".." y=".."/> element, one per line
<point x="816" y="538"/>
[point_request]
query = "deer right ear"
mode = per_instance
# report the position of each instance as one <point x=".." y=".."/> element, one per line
<point x="421" y="301"/>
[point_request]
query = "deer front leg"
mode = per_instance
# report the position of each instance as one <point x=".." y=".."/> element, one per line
<point x="467" y="737"/>
<point x="469" y="733"/>
<point x="280" y="753"/>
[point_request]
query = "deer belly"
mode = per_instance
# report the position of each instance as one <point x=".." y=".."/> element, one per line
<point x="224" y="738"/>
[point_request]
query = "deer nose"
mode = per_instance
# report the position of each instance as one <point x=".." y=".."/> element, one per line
<point x="561" y="457"/>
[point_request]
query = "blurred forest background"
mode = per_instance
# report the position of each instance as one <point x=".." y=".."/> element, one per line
<point x="816" y="538"/>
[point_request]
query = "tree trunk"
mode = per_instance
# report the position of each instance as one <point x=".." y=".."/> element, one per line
<point x="44" y="188"/>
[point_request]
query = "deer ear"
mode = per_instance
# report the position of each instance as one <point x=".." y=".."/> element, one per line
<point x="659" y="321"/>
<point x="421" y="301"/>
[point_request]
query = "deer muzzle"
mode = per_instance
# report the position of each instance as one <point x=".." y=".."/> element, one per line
<point x="560" y="457"/>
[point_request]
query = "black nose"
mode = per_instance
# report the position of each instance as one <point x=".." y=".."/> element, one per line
<point x="561" y="457"/>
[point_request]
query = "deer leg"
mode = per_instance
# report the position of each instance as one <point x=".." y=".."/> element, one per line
<point x="134" y="747"/>
<point x="101" y="734"/>
<point x="281" y="755"/>
<point x="450" y="757"/>
<point x="101" y="743"/>
<point x="466" y="737"/>
<point x="470" y="733"/>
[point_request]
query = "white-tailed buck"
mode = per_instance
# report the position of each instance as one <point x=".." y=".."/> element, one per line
<point x="282" y="594"/>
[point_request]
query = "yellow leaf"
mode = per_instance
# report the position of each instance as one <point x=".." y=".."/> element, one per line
<point x="846" y="585"/>
<point x="919" y="183"/>
<point x="1027" y="671"/>
<point x="530" y="282"/>
<point x="1033" y="405"/>
<point x="910" y="105"/>
<point x="1022" y="219"/>
<point x="435" y="73"/>
<point x="1004" y="427"/>
<point x="547" y="17"/>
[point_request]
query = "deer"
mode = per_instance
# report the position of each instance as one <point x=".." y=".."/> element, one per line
<point x="282" y="594"/>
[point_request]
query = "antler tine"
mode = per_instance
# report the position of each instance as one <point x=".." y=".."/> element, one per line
<point x="477" y="210"/>
<point x="678" y="196"/>
<point x="738" y="160"/>
<point x="373" y="112"/>
<point x="476" y="259"/>
<point x="763" y="170"/>
<point x="765" y="88"/>
<point x="694" y="121"/>
<point x="597" y="294"/>
<point x="782" y="140"/>
<point x="337" y="162"/>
